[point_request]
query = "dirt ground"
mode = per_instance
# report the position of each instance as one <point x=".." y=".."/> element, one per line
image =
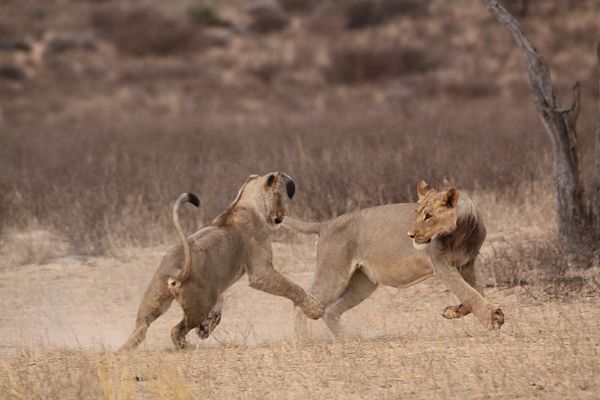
<point x="64" y="318"/>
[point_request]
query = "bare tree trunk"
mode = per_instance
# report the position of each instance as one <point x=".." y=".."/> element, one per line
<point x="575" y="216"/>
<point x="594" y="210"/>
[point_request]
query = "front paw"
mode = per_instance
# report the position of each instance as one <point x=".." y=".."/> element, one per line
<point x="451" y="312"/>
<point x="312" y="307"/>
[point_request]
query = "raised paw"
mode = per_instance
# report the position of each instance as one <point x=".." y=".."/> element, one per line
<point x="208" y="325"/>
<point x="312" y="307"/>
<point x="459" y="311"/>
<point x="451" y="312"/>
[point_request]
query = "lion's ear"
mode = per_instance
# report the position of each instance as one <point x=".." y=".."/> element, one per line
<point x="422" y="189"/>
<point x="290" y="185"/>
<point x="270" y="180"/>
<point x="451" y="197"/>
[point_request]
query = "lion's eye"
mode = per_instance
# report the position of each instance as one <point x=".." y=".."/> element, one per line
<point x="427" y="216"/>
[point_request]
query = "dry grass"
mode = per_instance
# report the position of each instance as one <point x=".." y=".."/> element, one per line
<point x="353" y="64"/>
<point x="123" y="181"/>
<point x="360" y="14"/>
<point x="561" y="364"/>
<point x="57" y="338"/>
<point x="58" y="341"/>
<point x="143" y="32"/>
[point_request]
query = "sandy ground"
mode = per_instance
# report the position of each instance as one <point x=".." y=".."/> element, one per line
<point x="396" y="343"/>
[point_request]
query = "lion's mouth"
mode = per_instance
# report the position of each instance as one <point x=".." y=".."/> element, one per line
<point x="421" y="241"/>
<point x="278" y="220"/>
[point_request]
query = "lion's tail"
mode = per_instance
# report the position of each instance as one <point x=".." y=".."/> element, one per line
<point x="187" y="257"/>
<point x="301" y="226"/>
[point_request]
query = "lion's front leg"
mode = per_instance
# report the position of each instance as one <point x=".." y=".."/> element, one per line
<point x="267" y="279"/>
<point x="469" y="275"/>
<point x="207" y="326"/>
<point x="263" y="276"/>
<point x="488" y="314"/>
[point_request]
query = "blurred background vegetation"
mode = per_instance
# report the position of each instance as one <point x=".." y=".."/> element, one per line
<point x="109" y="109"/>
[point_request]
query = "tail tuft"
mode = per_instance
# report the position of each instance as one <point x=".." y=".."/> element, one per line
<point x="192" y="198"/>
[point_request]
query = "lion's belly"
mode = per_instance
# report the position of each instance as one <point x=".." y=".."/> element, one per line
<point x="399" y="272"/>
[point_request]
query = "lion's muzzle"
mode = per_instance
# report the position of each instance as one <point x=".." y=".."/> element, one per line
<point x="277" y="217"/>
<point x="418" y="239"/>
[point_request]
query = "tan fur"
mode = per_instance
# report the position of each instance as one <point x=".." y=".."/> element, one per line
<point x="187" y="258"/>
<point x="450" y="229"/>
<point x="237" y="242"/>
<point x="358" y="251"/>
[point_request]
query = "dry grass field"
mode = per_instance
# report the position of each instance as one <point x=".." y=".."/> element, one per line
<point x="62" y="320"/>
<point x="109" y="110"/>
<point x="59" y="330"/>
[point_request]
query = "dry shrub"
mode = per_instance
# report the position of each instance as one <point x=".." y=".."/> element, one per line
<point x="267" y="18"/>
<point x="144" y="31"/>
<point x="364" y="13"/>
<point x="31" y="245"/>
<point x="106" y="176"/>
<point x="326" y="19"/>
<point x="266" y="71"/>
<point x="518" y="261"/>
<point x="474" y="87"/>
<point x="352" y="63"/>
<point x="12" y="72"/>
<point x="204" y="15"/>
<point x="542" y="263"/>
<point x="297" y="6"/>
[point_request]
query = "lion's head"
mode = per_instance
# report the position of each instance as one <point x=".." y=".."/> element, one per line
<point x="275" y="187"/>
<point x="436" y="215"/>
<point x="267" y="195"/>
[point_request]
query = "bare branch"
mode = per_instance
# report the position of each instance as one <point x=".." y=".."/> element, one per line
<point x="572" y="114"/>
<point x="560" y="125"/>
<point x="537" y="67"/>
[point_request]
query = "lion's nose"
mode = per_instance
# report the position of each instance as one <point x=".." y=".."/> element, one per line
<point x="279" y="217"/>
<point x="412" y="235"/>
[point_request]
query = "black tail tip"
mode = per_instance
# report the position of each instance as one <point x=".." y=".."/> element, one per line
<point x="192" y="198"/>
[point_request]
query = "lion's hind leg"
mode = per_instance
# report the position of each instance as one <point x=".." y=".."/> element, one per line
<point x="196" y="305"/>
<point x="156" y="302"/>
<point x="207" y="326"/>
<point x="358" y="290"/>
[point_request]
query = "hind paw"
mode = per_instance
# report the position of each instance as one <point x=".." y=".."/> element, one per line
<point x="496" y="319"/>
<point x="208" y="325"/>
